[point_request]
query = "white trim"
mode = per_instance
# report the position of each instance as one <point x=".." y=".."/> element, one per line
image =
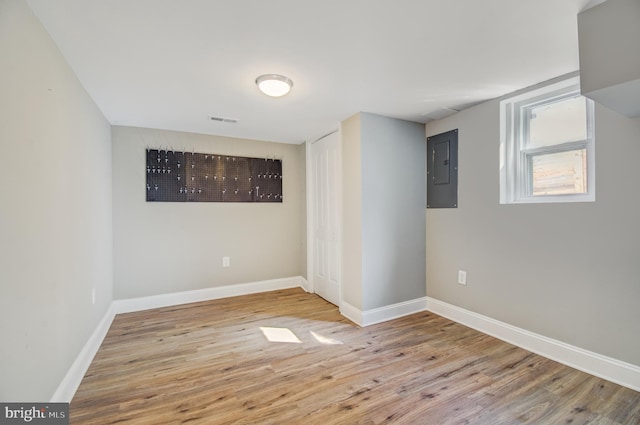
<point x="393" y="311"/>
<point x="304" y="284"/>
<point x="326" y="135"/>
<point x="312" y="210"/>
<point x="310" y="216"/>
<point x="177" y="298"/>
<point x="608" y="368"/>
<point x="71" y="381"/>
<point x="350" y="312"/>
<point x="515" y="156"/>
<point x="382" y="314"/>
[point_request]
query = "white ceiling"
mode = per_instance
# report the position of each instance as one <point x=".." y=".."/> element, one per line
<point x="169" y="64"/>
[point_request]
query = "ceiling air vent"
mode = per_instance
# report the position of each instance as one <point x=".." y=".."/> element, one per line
<point x="223" y="119"/>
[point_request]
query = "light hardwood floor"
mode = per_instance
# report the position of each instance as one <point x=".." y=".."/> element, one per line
<point x="211" y="363"/>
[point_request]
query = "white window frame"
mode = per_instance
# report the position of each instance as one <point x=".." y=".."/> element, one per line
<point x="515" y="157"/>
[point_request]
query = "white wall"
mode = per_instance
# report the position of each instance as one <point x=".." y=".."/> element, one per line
<point x="164" y="247"/>
<point x="566" y="271"/>
<point x="350" y="130"/>
<point x="55" y="210"/>
<point x="302" y="159"/>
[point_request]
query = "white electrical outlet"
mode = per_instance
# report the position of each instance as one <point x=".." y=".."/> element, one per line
<point x="226" y="261"/>
<point x="93" y="296"/>
<point x="462" y="277"/>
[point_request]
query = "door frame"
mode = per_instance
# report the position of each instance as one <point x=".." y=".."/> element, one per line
<point x="311" y="211"/>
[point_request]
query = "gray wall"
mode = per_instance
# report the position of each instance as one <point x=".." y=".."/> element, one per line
<point x="171" y="247"/>
<point x="609" y="63"/>
<point x="566" y="271"/>
<point x="609" y="35"/>
<point x="55" y="212"/>
<point x="392" y="193"/>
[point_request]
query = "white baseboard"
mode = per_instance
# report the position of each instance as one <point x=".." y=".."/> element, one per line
<point x="382" y="314"/>
<point x="207" y="294"/>
<point x="304" y="284"/>
<point x="350" y="312"/>
<point x="71" y="381"/>
<point x="393" y="311"/>
<point x="608" y="368"/>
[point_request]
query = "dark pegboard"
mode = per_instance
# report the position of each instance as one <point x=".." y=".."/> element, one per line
<point x="174" y="176"/>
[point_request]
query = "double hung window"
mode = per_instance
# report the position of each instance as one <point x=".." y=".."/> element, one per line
<point x="547" y="145"/>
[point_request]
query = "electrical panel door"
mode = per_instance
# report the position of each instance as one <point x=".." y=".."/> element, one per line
<point x="442" y="170"/>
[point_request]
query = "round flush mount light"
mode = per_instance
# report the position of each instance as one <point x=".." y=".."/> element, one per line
<point x="274" y="85"/>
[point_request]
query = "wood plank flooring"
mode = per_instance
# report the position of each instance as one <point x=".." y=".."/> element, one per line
<point x="211" y="363"/>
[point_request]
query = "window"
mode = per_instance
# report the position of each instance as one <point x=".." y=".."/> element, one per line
<point x="547" y="145"/>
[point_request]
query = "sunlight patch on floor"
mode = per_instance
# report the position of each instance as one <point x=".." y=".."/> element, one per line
<point x="280" y="335"/>
<point x="325" y="340"/>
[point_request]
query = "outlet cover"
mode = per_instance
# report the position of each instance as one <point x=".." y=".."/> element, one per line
<point x="462" y="277"/>
<point x="226" y="262"/>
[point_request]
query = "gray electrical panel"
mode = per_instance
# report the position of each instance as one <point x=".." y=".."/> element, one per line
<point x="442" y="170"/>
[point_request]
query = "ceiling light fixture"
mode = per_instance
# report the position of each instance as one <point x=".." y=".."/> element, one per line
<point x="274" y="85"/>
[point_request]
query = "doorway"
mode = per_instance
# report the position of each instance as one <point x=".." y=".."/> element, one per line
<point x="324" y="167"/>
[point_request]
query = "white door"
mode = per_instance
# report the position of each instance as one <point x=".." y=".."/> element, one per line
<point x="325" y="176"/>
